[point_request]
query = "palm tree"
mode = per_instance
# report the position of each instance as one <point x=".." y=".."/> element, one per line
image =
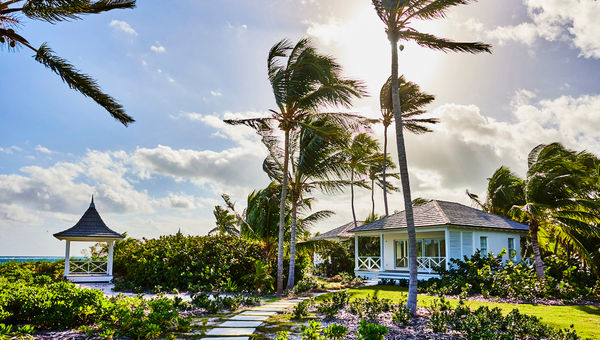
<point x="53" y="12"/>
<point x="225" y="222"/>
<point x="303" y="82"/>
<point x="397" y="16"/>
<point x="412" y="102"/>
<point x="558" y="196"/>
<point x="376" y="173"/>
<point x="317" y="163"/>
<point x="359" y="151"/>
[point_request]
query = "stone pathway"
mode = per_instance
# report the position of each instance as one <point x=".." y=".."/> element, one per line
<point x="242" y="325"/>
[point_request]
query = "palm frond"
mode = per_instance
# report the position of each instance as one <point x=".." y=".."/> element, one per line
<point x="54" y="11"/>
<point x="82" y="83"/>
<point x="443" y="44"/>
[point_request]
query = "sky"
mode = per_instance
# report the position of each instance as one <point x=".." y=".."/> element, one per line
<point x="180" y="70"/>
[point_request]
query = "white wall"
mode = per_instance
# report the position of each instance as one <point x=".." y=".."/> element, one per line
<point x="496" y="241"/>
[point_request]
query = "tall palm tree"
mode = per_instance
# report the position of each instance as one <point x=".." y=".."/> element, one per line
<point x="317" y="163"/>
<point x="412" y="104"/>
<point x="557" y="196"/>
<point x="52" y="12"/>
<point x="303" y="82"/>
<point x="377" y="175"/>
<point x="397" y="15"/>
<point x="360" y="150"/>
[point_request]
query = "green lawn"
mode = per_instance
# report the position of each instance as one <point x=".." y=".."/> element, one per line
<point x="586" y="319"/>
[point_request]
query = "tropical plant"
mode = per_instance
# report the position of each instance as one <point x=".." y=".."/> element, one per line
<point x="377" y="172"/>
<point x="398" y="15"/>
<point x="558" y="196"/>
<point x="412" y="104"/>
<point x="317" y="163"/>
<point x="360" y="149"/>
<point x="303" y="82"/>
<point x="53" y="12"/>
<point x="225" y="221"/>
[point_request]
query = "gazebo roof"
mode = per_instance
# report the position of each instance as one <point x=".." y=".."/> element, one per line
<point x="89" y="228"/>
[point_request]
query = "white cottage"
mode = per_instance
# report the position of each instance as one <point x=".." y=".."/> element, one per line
<point x="445" y="230"/>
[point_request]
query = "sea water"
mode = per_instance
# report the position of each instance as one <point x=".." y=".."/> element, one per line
<point x="4" y="259"/>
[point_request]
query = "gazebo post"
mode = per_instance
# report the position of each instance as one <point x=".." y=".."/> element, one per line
<point x="109" y="266"/>
<point x="67" y="256"/>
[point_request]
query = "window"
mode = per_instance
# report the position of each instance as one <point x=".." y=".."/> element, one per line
<point x="401" y="249"/>
<point x="483" y="244"/>
<point x="511" y="247"/>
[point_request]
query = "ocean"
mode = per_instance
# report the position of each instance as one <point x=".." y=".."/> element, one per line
<point x="4" y="259"/>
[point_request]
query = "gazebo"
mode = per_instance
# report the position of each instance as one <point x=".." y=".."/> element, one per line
<point x="90" y="228"/>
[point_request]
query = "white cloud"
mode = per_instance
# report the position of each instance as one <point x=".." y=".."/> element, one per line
<point x="573" y="21"/>
<point x="123" y="27"/>
<point x="158" y="48"/>
<point x="43" y="149"/>
<point x="215" y="93"/>
<point x="10" y="149"/>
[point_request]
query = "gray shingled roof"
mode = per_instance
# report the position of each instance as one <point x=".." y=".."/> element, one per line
<point x="339" y="232"/>
<point x="437" y="213"/>
<point x="89" y="226"/>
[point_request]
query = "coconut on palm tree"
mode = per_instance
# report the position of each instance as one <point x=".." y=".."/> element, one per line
<point x="53" y="12"/>
<point x="398" y="16"/>
<point x="303" y="82"/>
<point x="412" y="104"/>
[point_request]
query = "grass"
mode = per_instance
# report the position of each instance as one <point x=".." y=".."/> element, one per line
<point x="586" y="319"/>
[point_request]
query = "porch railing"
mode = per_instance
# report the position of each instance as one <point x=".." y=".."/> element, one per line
<point x="429" y="263"/>
<point x="369" y="263"/>
<point x="88" y="267"/>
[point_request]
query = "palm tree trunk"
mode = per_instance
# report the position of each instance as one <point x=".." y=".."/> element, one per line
<point x="282" y="204"/>
<point x="403" y="166"/>
<point x="352" y="197"/>
<point x="372" y="197"/>
<point x="290" y="283"/>
<point x="537" y="255"/>
<point x="385" y="128"/>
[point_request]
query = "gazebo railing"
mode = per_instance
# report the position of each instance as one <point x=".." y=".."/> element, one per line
<point x="88" y="267"/>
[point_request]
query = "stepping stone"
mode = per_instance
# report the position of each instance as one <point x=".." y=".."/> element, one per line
<point x="258" y="312"/>
<point x="231" y="331"/>
<point x="240" y="324"/>
<point x="286" y="304"/>
<point x="269" y="308"/>
<point x="249" y="318"/>
<point x="227" y="338"/>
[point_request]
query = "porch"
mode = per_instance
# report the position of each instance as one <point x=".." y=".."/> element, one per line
<point x="385" y="255"/>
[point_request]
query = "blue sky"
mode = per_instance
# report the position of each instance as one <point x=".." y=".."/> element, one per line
<point x="179" y="70"/>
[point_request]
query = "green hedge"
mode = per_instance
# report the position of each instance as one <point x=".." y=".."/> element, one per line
<point x="186" y="262"/>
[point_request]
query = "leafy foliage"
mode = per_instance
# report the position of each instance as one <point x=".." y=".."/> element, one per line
<point x="301" y="309"/>
<point x="370" y="307"/>
<point x="486" y="274"/>
<point x="187" y="262"/>
<point x="370" y="331"/>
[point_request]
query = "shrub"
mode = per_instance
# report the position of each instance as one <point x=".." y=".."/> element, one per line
<point x="339" y="258"/>
<point x="301" y="309"/>
<point x="328" y="309"/>
<point x="312" y="331"/>
<point x="187" y="262"/>
<point x="307" y="283"/>
<point x="370" y="331"/>
<point x="330" y="306"/>
<point x="335" y="332"/>
<point x="370" y="307"/>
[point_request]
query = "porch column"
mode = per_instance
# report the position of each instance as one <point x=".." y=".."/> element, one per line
<point x="355" y="252"/>
<point x="381" y="247"/>
<point x="67" y="255"/>
<point x="109" y="265"/>
<point x="447" y="246"/>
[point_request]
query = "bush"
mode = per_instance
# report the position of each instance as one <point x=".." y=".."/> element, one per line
<point x="33" y="272"/>
<point x="370" y="331"/>
<point x="335" y="332"/>
<point x="307" y="283"/>
<point x="486" y="323"/>
<point x="370" y="307"/>
<point x="339" y="258"/>
<point x="187" y="262"/>
<point x="487" y="275"/>
<point x="330" y="306"/>
<point x="401" y="315"/>
<point x="301" y="309"/>
<point x="62" y="305"/>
